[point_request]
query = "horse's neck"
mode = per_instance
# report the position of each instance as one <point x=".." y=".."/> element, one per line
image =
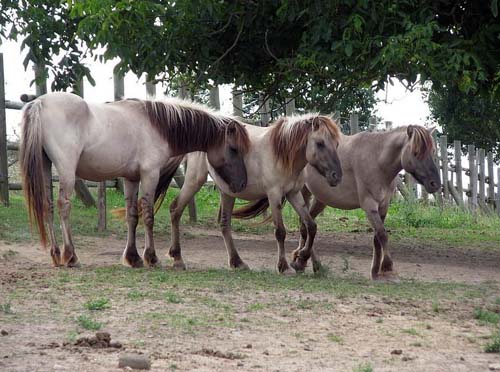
<point x="390" y="157"/>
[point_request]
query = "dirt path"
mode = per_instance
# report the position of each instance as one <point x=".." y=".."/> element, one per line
<point x="266" y="331"/>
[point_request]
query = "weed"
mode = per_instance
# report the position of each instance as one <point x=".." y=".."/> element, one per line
<point x="87" y="323"/>
<point x="173" y="297"/>
<point x="410" y="331"/>
<point x="486" y="316"/>
<point x="97" y="304"/>
<point x="494" y="345"/>
<point x="6" y="308"/>
<point x="435" y="307"/>
<point x="363" y="367"/>
<point x="336" y="338"/>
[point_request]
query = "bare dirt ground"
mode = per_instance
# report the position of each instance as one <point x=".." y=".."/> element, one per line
<point x="267" y="330"/>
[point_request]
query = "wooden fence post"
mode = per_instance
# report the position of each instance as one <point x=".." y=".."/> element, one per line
<point x="473" y="177"/>
<point x="388" y="125"/>
<point x="481" y="176"/>
<point x="118" y="86"/>
<point x="290" y="107"/>
<point x="214" y="98"/>
<point x="237" y="103"/>
<point x="4" y="166"/>
<point x="497" y="201"/>
<point x="40" y="80"/>
<point x="443" y="146"/>
<point x="491" y="180"/>
<point x="264" y="111"/>
<point x="458" y="168"/>
<point x="184" y="94"/>
<point x="150" y="88"/>
<point x="438" y="194"/>
<point x="354" y="123"/>
<point x="101" y="197"/>
<point x="372" y="123"/>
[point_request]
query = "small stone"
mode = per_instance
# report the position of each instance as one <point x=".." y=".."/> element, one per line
<point x="240" y="364"/>
<point x="265" y="352"/>
<point x="134" y="361"/>
<point x="494" y="367"/>
<point x="397" y="352"/>
<point x="115" y="344"/>
<point x="248" y="346"/>
<point x="462" y="359"/>
<point x="406" y="358"/>
<point x="307" y="348"/>
<point x="4" y="332"/>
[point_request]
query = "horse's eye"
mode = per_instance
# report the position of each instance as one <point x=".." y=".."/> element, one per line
<point x="320" y="144"/>
<point x="233" y="150"/>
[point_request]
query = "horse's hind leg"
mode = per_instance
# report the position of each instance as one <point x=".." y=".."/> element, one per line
<point x="55" y="253"/>
<point x="380" y="238"/>
<point x="298" y="203"/>
<point x="316" y="208"/>
<point x="387" y="265"/>
<point x="279" y="232"/>
<point x="66" y="186"/>
<point x="130" y="256"/>
<point x="226" y="210"/>
<point x="149" y="181"/>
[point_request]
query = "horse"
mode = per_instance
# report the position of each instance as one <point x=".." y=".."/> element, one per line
<point x="143" y="141"/>
<point x="371" y="163"/>
<point x="277" y="157"/>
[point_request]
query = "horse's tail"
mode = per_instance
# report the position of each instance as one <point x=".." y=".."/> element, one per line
<point x="31" y="160"/>
<point x="161" y="189"/>
<point x="253" y="209"/>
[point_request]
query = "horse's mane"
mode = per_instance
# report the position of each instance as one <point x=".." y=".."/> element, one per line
<point x="289" y="135"/>
<point x="421" y="141"/>
<point x="187" y="126"/>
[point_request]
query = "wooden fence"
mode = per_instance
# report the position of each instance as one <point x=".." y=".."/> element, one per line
<point x="478" y="195"/>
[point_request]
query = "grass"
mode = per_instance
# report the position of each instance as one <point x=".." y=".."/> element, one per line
<point x="410" y="331"/>
<point x="336" y="338"/>
<point x="6" y="308"/>
<point x="486" y="316"/>
<point x="363" y="367"/>
<point x="87" y="323"/>
<point x="493" y="346"/>
<point x="97" y="304"/>
<point x="405" y="219"/>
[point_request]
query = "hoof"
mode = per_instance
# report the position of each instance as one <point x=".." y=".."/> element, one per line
<point x="295" y="254"/>
<point x="179" y="265"/>
<point x="238" y="264"/>
<point x="152" y="262"/>
<point x="391" y="277"/>
<point x="299" y="265"/>
<point x="318" y="267"/>
<point x="287" y="272"/>
<point x="242" y="266"/>
<point x="133" y="263"/>
<point x="73" y="262"/>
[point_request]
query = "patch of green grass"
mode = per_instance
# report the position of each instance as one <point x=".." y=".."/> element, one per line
<point x="335" y="338"/>
<point x="173" y="297"/>
<point x="71" y="336"/>
<point x="379" y="320"/>
<point x="435" y="307"/>
<point x="97" y="304"/>
<point x="410" y="331"/>
<point x="87" y="323"/>
<point x="493" y="346"/>
<point x="136" y="295"/>
<point x="416" y="344"/>
<point x="363" y="367"/>
<point x="257" y="306"/>
<point x="497" y="301"/>
<point x="486" y="316"/>
<point x="6" y="308"/>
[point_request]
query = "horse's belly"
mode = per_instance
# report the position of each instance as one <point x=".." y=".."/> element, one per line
<point x="99" y="166"/>
<point x="341" y="196"/>
<point x="251" y="192"/>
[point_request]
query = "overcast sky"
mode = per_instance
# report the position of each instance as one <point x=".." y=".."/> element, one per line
<point x="398" y="105"/>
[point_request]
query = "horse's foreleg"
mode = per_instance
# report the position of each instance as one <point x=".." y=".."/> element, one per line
<point x="149" y="181"/>
<point x="300" y="261"/>
<point x="387" y="264"/>
<point x="55" y="252"/>
<point x="316" y="208"/>
<point x="192" y="184"/>
<point x="371" y="208"/>
<point x="276" y="205"/>
<point x="66" y="186"/>
<point x="226" y="210"/>
<point x="130" y="256"/>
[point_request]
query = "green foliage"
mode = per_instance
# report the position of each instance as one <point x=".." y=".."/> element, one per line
<point x="97" y="304"/>
<point x="468" y="117"/>
<point x="363" y="367"/>
<point x="6" y="308"/>
<point x="87" y="323"/>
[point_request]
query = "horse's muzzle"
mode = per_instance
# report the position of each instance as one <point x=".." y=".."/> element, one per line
<point x="333" y="178"/>
<point x="238" y="187"/>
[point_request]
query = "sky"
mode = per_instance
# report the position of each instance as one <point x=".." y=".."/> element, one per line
<point x="397" y="104"/>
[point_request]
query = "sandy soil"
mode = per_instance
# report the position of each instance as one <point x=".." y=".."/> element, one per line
<point x="367" y="329"/>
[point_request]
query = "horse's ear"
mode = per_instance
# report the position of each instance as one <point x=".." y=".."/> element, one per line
<point x="231" y="128"/>
<point x="315" y="123"/>
<point x="431" y="130"/>
<point x="410" y="130"/>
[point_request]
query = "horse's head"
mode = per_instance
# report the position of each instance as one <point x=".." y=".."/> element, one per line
<point x="321" y="149"/>
<point x="228" y="158"/>
<point x="416" y="158"/>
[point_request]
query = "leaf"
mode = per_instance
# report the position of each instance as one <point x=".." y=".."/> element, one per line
<point x="494" y="8"/>
<point x="348" y="49"/>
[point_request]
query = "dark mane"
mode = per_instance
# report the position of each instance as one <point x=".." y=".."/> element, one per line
<point x="290" y="134"/>
<point x="190" y="127"/>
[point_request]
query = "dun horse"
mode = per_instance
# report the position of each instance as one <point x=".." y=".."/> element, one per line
<point x="371" y="163"/>
<point x="142" y="141"/>
<point x="277" y="157"/>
